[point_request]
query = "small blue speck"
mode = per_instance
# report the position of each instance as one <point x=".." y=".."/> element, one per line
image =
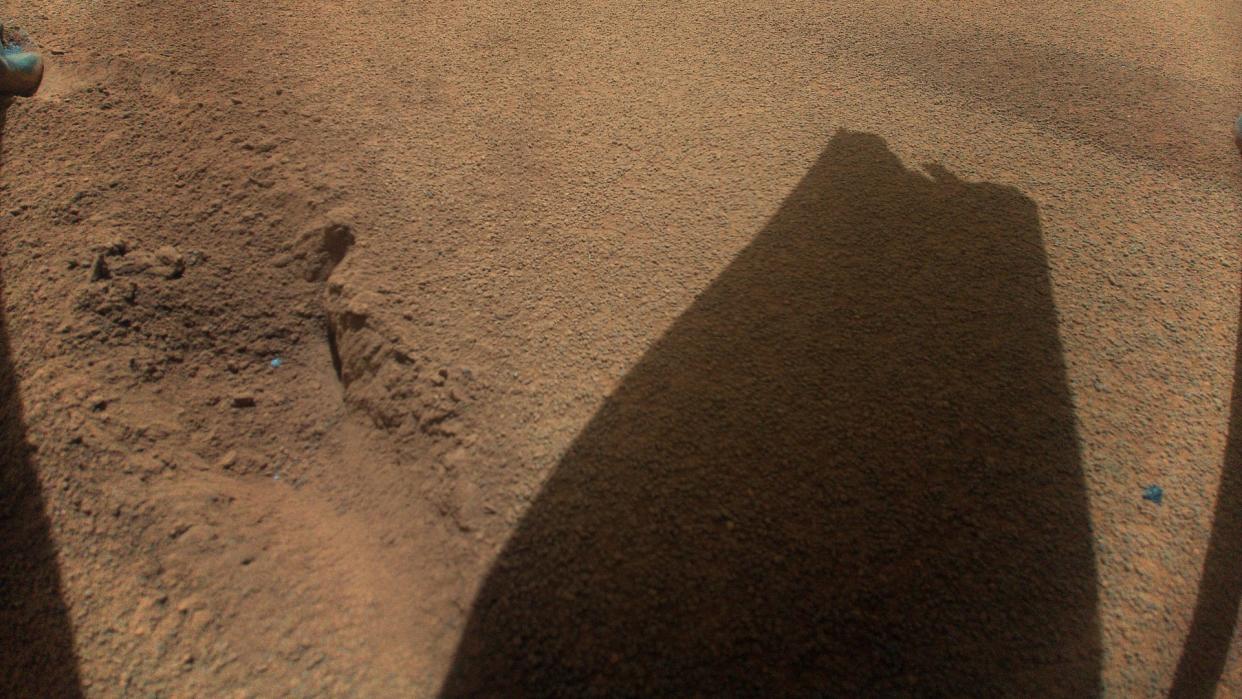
<point x="1153" y="493"/>
<point x="276" y="363"/>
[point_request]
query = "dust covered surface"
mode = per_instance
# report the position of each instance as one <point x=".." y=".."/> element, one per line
<point x="620" y="349"/>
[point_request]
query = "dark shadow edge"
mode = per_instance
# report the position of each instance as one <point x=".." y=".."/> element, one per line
<point x="38" y="656"/>
<point x="1206" y="650"/>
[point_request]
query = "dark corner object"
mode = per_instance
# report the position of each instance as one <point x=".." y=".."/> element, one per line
<point x="21" y="71"/>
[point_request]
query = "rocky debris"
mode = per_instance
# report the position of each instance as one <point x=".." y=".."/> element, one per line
<point x="323" y="246"/>
<point x="99" y="269"/>
<point x="115" y="248"/>
<point x="384" y="378"/>
<point x="136" y="263"/>
<point x="106" y="299"/>
<point x="165" y="262"/>
<point x="171" y="263"/>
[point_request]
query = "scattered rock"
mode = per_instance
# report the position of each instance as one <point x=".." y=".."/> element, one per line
<point x="170" y="264"/>
<point x="244" y="400"/>
<point x="166" y="262"/>
<point x="134" y="263"/>
<point x="99" y="269"/>
<point x="228" y="461"/>
<point x="325" y="245"/>
<point x="114" y="248"/>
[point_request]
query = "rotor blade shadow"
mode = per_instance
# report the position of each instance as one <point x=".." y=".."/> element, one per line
<point x="850" y="468"/>
<point x="1214" y="622"/>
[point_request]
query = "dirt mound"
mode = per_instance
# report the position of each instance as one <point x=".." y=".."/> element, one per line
<point x="168" y="307"/>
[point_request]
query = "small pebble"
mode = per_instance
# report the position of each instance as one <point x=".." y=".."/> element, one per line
<point x="1153" y="493"/>
<point x="276" y="363"/>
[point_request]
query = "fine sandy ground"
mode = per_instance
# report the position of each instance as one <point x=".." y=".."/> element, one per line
<point x="625" y="348"/>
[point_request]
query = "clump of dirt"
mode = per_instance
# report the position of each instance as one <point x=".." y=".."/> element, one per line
<point x="319" y="249"/>
<point x="383" y="375"/>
